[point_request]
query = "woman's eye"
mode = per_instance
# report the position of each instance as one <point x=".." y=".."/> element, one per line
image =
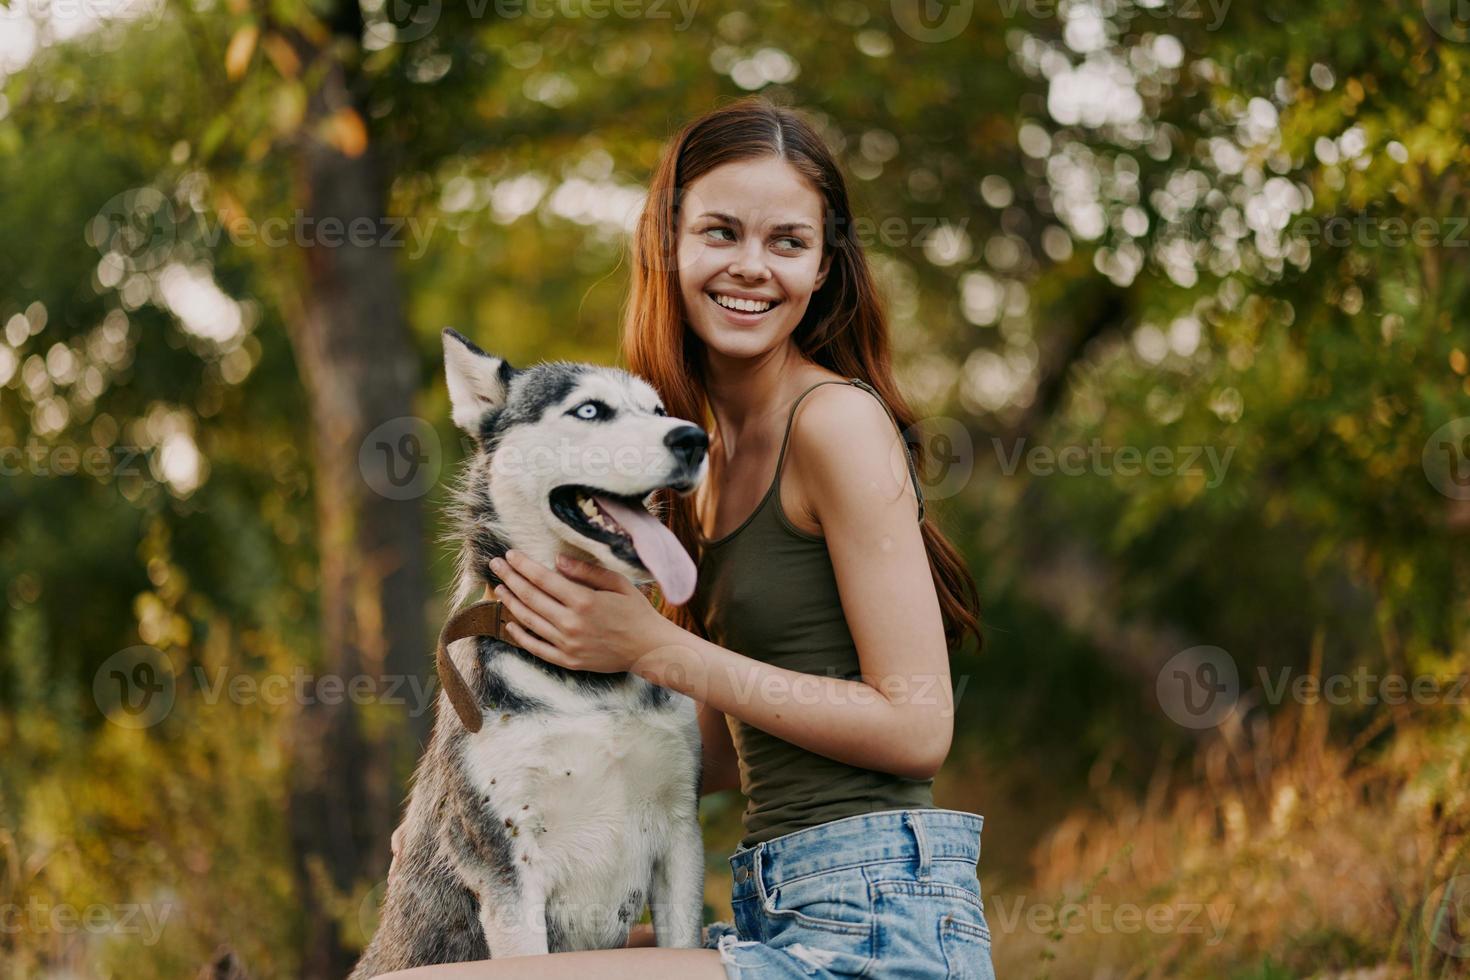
<point x="790" y="243"/>
<point x="721" y="231"/>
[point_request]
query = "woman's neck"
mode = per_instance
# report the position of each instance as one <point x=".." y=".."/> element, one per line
<point x="744" y="392"/>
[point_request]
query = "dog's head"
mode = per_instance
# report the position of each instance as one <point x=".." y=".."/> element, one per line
<point x="568" y="456"/>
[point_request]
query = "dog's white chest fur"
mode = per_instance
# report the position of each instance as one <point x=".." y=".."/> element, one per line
<point x="592" y="797"/>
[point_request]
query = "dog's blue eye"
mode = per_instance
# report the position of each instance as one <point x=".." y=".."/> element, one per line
<point x="659" y="410"/>
<point x="590" y="410"/>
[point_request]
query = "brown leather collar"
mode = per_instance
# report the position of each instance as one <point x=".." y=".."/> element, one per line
<point x="486" y="618"/>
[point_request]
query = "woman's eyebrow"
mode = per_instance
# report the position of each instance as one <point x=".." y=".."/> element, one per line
<point x="729" y="219"/>
<point x="785" y="226"/>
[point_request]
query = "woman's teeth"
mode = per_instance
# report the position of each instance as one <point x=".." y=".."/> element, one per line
<point x="743" y="305"/>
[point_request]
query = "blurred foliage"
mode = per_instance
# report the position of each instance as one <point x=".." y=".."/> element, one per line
<point x="1098" y="222"/>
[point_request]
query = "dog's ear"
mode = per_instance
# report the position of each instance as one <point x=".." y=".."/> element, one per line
<point x="478" y="382"/>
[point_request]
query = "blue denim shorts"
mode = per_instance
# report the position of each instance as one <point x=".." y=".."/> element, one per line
<point x="886" y="895"/>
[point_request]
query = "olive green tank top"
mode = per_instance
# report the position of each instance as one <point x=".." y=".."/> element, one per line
<point x="768" y="590"/>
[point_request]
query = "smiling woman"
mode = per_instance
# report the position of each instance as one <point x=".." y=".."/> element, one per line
<point x="825" y="595"/>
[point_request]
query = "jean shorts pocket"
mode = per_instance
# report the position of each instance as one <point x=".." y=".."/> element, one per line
<point x="959" y="901"/>
<point x="836" y="901"/>
<point x="966" y="949"/>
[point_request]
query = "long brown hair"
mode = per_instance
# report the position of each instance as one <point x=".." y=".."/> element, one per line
<point x="843" y="330"/>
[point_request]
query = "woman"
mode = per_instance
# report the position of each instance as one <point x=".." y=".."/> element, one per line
<point x="826" y="604"/>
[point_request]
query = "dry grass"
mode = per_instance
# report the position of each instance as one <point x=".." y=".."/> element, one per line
<point x="1284" y="856"/>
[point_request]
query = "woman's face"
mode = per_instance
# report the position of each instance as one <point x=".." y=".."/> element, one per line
<point x="750" y="255"/>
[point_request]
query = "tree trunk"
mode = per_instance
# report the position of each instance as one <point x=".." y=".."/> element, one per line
<point x="353" y="349"/>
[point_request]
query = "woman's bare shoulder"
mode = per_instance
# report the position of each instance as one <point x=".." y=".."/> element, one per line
<point x="843" y="442"/>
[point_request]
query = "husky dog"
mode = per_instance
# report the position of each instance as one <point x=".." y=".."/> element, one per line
<point x="557" y="802"/>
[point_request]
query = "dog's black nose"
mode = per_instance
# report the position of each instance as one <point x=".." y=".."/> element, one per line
<point x="688" y="443"/>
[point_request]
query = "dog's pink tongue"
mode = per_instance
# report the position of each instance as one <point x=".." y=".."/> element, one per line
<point x="658" y="549"/>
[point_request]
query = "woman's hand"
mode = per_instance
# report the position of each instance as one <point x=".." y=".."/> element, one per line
<point x="580" y="616"/>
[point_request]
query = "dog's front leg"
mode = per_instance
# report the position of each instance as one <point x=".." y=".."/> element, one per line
<point x="514" y="917"/>
<point x="677" y="901"/>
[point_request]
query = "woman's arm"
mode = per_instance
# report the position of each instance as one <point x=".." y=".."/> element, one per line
<point x="905" y="732"/>
<point x="899" y="717"/>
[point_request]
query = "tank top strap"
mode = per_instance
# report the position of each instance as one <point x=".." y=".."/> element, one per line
<point x="791" y="418"/>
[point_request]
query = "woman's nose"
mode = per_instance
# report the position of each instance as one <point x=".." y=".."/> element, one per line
<point x="749" y="261"/>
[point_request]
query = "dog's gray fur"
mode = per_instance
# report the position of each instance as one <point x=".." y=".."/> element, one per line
<point x="577" y="802"/>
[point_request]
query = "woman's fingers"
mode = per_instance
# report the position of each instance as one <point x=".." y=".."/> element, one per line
<point x="526" y="589"/>
<point x="559" y="587"/>
<point x="526" y="640"/>
<point x="521" y="611"/>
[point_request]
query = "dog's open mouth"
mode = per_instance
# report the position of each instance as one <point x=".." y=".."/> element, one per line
<point x="630" y="532"/>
